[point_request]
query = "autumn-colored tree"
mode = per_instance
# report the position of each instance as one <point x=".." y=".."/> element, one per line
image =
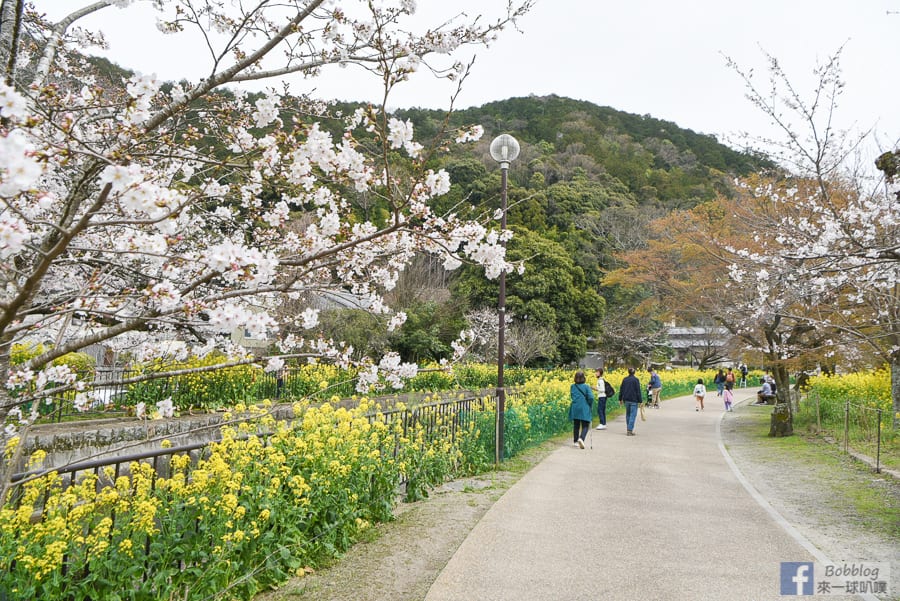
<point x="689" y="265"/>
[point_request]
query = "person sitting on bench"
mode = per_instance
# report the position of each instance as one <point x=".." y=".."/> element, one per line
<point x="766" y="396"/>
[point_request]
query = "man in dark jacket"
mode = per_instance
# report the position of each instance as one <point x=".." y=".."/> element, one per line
<point x="630" y="394"/>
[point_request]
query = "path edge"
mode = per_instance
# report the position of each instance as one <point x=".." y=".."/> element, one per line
<point x="767" y="507"/>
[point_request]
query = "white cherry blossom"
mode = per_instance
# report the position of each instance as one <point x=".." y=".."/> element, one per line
<point x="180" y="212"/>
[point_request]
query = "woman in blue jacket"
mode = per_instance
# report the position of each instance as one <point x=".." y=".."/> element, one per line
<point x="580" y="410"/>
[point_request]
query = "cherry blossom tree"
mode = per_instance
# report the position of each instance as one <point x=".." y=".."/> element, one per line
<point x="480" y="339"/>
<point x="829" y="258"/>
<point x="528" y="341"/>
<point x="151" y="216"/>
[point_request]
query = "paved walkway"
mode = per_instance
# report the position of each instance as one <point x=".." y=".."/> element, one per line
<point x="658" y="516"/>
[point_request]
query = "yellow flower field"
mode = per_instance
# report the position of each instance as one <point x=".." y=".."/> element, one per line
<point x="253" y="509"/>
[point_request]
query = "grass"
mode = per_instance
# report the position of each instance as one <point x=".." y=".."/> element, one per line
<point x="862" y="425"/>
<point x="846" y="487"/>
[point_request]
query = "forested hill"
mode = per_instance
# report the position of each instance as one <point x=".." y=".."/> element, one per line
<point x="587" y="183"/>
<point x="657" y="161"/>
<point x="545" y="118"/>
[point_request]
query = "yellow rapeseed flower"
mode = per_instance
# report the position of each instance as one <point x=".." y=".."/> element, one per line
<point x="125" y="547"/>
<point x="11" y="445"/>
<point x="37" y="458"/>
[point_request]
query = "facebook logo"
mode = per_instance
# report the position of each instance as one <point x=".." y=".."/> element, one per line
<point x="796" y="578"/>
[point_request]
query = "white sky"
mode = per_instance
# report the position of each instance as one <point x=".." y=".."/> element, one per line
<point x="657" y="57"/>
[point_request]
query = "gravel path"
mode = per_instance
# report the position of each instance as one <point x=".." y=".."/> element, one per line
<point x="816" y="488"/>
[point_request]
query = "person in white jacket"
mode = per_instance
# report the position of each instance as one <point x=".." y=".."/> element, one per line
<point x="604" y="391"/>
<point x="699" y="394"/>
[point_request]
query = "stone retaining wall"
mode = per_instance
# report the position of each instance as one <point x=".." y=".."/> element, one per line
<point x="109" y="438"/>
<point x="70" y="442"/>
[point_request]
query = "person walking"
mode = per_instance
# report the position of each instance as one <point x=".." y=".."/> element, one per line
<point x="582" y="398"/>
<point x="630" y="394"/>
<point x="604" y="392"/>
<point x="719" y="381"/>
<point x="728" y="395"/>
<point x="699" y="394"/>
<point x="655" y="388"/>
<point x="729" y="379"/>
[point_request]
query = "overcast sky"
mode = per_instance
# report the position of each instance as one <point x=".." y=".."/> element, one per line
<point x="660" y="57"/>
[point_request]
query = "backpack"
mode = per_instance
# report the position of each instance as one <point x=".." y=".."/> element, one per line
<point x="729" y="377"/>
<point x="608" y="390"/>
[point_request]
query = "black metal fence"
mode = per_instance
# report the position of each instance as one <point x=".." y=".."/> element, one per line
<point x="444" y="418"/>
<point x="113" y="393"/>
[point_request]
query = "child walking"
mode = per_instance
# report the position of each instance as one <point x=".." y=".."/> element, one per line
<point x="728" y="395"/>
<point x="699" y="393"/>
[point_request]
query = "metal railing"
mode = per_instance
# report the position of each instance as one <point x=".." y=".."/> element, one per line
<point x="110" y="396"/>
<point x="860" y="426"/>
<point x="434" y="418"/>
<point x="440" y="419"/>
<point x="106" y="394"/>
<point x="867" y="419"/>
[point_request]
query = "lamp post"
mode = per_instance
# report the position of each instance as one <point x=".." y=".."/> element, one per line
<point x="504" y="148"/>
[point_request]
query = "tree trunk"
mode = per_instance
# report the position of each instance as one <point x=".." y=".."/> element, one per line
<point x="10" y="12"/>
<point x="895" y="389"/>
<point x="781" y="423"/>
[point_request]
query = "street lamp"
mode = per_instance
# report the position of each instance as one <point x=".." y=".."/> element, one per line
<point x="504" y="148"/>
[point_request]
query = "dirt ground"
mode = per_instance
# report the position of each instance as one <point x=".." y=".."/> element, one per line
<point x="813" y="487"/>
<point x="818" y="490"/>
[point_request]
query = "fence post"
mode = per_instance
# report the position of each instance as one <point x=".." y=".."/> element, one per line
<point x="878" y="453"/>
<point x="818" y="415"/>
<point x="847" y="427"/>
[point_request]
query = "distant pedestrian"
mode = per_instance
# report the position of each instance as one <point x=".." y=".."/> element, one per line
<point x="580" y="410"/>
<point x="655" y="388"/>
<point x="279" y="383"/>
<point x="605" y="391"/>
<point x="729" y="379"/>
<point x="699" y="394"/>
<point x="719" y="381"/>
<point x="630" y="394"/>
<point x="728" y="395"/>
<point x="744" y="371"/>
